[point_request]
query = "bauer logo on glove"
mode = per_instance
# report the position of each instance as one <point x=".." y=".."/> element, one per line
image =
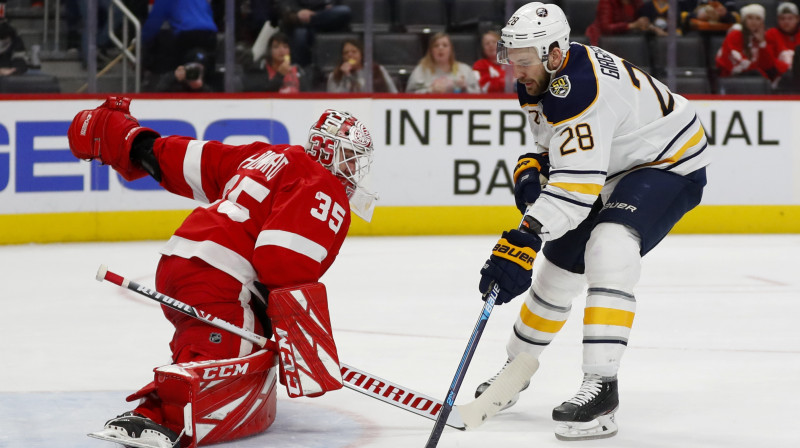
<point x="523" y="256"/>
<point x="510" y="265"/>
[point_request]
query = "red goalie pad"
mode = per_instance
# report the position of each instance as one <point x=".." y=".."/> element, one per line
<point x="220" y="400"/>
<point x="302" y="328"/>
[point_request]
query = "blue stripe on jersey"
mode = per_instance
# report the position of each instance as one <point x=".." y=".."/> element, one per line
<point x="672" y="142"/>
<point x="582" y="87"/>
<point x="571" y="201"/>
<point x="552" y="172"/>
<point x="705" y="145"/>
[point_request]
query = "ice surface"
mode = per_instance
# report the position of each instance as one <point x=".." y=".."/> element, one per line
<point x="713" y="361"/>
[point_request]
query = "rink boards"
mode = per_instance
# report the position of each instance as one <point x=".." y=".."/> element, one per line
<point x="443" y="164"/>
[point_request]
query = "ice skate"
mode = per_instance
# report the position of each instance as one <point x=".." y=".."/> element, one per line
<point x="590" y="413"/>
<point x="485" y="385"/>
<point x="134" y="431"/>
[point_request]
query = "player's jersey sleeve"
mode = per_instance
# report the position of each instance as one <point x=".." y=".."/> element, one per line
<point x="606" y="117"/>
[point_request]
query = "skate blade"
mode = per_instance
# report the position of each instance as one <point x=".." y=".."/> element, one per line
<point x="114" y="437"/>
<point x="600" y="428"/>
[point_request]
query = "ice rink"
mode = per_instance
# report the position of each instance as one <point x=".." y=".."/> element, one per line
<point x="713" y="360"/>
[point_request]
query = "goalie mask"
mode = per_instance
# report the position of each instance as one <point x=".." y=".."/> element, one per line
<point x="342" y="144"/>
<point x="533" y="28"/>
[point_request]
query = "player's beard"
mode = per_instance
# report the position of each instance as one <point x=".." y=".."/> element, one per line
<point x="534" y="87"/>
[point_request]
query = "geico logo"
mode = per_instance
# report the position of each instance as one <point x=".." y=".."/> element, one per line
<point x="28" y="152"/>
<point x="390" y="391"/>
<point x="225" y="371"/>
<point x="513" y="252"/>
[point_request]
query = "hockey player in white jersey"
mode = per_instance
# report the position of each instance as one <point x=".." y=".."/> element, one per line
<point x="626" y="160"/>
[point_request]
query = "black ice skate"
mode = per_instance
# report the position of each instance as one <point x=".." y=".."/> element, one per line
<point x="134" y="431"/>
<point x="485" y="385"/>
<point x="590" y="413"/>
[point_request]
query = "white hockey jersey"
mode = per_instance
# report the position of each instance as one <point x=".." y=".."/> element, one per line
<point x="603" y="117"/>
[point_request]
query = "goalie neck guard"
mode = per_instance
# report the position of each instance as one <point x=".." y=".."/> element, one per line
<point x="342" y="144"/>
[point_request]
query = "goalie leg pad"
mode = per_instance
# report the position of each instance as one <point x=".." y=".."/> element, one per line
<point x="220" y="400"/>
<point x="302" y="328"/>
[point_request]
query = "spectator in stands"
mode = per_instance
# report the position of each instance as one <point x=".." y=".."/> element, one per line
<point x="191" y="25"/>
<point x="439" y="72"/>
<point x="491" y="75"/>
<point x="13" y="58"/>
<point x="745" y="49"/>
<point x="348" y="76"/>
<point x="785" y="37"/>
<point x="616" y="17"/>
<point x="188" y="77"/>
<point x="282" y="75"/>
<point x="303" y="19"/>
<point x="709" y="16"/>
<point x="656" y="12"/>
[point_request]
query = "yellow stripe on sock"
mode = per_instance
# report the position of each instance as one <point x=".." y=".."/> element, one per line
<point x="532" y="320"/>
<point x="607" y="316"/>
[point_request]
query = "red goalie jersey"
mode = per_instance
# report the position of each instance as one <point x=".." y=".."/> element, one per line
<point x="275" y="215"/>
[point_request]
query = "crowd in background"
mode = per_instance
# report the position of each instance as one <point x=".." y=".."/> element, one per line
<point x="276" y="40"/>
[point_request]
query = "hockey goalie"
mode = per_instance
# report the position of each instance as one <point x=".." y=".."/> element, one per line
<point x="272" y="220"/>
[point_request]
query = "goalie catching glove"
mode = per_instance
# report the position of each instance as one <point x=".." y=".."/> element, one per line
<point x="107" y="133"/>
<point x="510" y="265"/>
<point x="527" y="184"/>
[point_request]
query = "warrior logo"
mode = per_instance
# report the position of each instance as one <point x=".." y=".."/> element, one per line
<point x="560" y="86"/>
<point x="216" y="338"/>
<point x="541" y="12"/>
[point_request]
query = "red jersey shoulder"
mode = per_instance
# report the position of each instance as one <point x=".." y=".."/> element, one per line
<point x="291" y="168"/>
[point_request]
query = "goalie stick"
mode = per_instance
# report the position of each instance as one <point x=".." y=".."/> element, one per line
<point x="353" y="378"/>
<point x="461" y="371"/>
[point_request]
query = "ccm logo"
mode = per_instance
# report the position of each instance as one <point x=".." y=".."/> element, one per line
<point x="225" y="371"/>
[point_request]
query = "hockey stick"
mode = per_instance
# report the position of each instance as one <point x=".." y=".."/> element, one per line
<point x="353" y="378"/>
<point x="461" y="371"/>
<point x="501" y="391"/>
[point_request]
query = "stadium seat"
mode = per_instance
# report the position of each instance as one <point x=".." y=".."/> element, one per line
<point x="579" y="38"/>
<point x="744" y="85"/>
<point x="380" y="17"/>
<point x="474" y="11"/>
<point x="630" y="47"/>
<point x="689" y="51"/>
<point x="422" y="15"/>
<point x="392" y="49"/>
<point x="690" y="56"/>
<point x="30" y="82"/>
<point x="696" y="84"/>
<point x="466" y="47"/>
<point x="580" y="14"/>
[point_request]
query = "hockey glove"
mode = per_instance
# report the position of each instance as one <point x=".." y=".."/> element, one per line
<point x="527" y="186"/>
<point x="107" y="133"/>
<point x="510" y="265"/>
